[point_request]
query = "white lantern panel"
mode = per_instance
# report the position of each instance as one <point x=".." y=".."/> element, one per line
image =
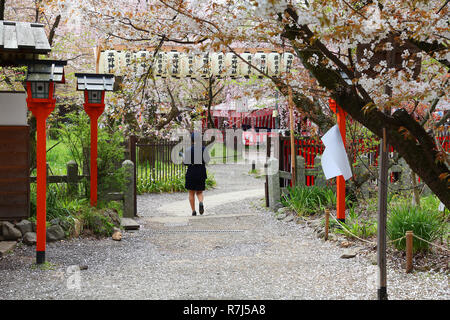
<point x="125" y="59"/>
<point x="111" y="62"/>
<point x="203" y="65"/>
<point x="101" y="62"/>
<point x="143" y="62"/>
<point x="287" y="59"/>
<point x="245" y="70"/>
<point x="231" y="65"/>
<point x="174" y="63"/>
<point x="273" y="64"/>
<point x="260" y="62"/>
<point x="218" y="65"/>
<point x="187" y="68"/>
<point x="160" y="65"/>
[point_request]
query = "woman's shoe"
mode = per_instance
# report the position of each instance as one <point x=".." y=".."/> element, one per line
<point x="194" y="213"/>
<point x="201" y="208"/>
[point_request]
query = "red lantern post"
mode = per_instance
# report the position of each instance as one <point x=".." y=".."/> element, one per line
<point x="94" y="87"/>
<point x="340" y="181"/>
<point x="40" y="85"/>
<point x="94" y="111"/>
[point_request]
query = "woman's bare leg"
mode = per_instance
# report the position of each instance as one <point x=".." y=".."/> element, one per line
<point x="199" y="195"/>
<point x="201" y="209"/>
<point x="192" y="199"/>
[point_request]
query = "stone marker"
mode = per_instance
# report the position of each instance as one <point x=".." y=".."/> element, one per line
<point x="128" y="195"/>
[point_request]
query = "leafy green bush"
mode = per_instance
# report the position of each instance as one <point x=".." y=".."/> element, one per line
<point x="76" y="136"/>
<point x="55" y="202"/>
<point x="423" y="222"/>
<point x="95" y="221"/>
<point x="308" y="200"/>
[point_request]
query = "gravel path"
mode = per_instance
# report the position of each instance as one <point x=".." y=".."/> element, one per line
<point x="237" y="250"/>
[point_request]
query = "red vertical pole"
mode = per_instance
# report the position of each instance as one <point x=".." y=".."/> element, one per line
<point x="41" y="108"/>
<point x="41" y="188"/>
<point x="94" y="111"/>
<point x="94" y="155"/>
<point x="340" y="182"/>
<point x="340" y="203"/>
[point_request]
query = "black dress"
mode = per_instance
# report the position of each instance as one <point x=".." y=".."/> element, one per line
<point x="196" y="170"/>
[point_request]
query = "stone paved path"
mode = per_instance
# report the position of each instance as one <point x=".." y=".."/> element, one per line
<point x="237" y="250"/>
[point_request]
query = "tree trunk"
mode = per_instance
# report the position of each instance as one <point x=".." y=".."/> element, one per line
<point x="2" y="9"/>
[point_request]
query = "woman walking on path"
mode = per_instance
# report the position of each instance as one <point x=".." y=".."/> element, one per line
<point x="196" y="159"/>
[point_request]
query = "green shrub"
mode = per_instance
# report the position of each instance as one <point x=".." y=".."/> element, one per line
<point x="95" y="221"/>
<point x="308" y="200"/>
<point x="423" y="222"/>
<point x="55" y="202"/>
<point x="358" y="226"/>
<point x="75" y="133"/>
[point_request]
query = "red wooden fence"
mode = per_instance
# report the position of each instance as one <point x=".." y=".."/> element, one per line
<point x="310" y="148"/>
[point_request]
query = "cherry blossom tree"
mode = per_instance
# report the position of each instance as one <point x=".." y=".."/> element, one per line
<point x="384" y="62"/>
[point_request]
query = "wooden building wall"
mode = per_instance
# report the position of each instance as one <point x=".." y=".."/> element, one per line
<point x="14" y="172"/>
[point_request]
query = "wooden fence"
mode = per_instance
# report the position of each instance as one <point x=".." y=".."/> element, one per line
<point x="72" y="179"/>
<point x="153" y="160"/>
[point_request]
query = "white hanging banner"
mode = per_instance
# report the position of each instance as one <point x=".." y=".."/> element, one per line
<point x="334" y="158"/>
<point x="178" y="64"/>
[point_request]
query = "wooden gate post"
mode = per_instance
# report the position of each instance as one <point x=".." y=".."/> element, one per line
<point x="72" y="177"/>
<point x="132" y="152"/>
<point x="300" y="171"/>
<point x="409" y="251"/>
<point x="273" y="183"/>
<point x="129" y="195"/>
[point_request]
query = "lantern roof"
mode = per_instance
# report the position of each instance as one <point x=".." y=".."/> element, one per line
<point x="95" y="82"/>
<point x="21" y="40"/>
<point x="45" y="70"/>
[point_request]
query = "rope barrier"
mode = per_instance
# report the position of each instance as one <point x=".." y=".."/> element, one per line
<point x="435" y="245"/>
<point x="392" y="241"/>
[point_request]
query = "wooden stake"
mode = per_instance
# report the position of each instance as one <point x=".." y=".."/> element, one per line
<point x="327" y="222"/>
<point x="382" y="216"/>
<point x="409" y="251"/>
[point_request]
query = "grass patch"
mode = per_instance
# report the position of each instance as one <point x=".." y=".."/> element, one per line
<point x="308" y="200"/>
<point x="46" y="266"/>
<point x="424" y="222"/>
<point x="357" y="226"/>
